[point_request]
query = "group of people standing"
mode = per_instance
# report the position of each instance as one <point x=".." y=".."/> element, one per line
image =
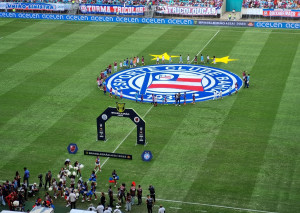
<point x="188" y="59"/>
<point x="246" y="79"/>
<point x="66" y="187"/>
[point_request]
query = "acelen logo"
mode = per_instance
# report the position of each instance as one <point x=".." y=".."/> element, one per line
<point x="164" y="81"/>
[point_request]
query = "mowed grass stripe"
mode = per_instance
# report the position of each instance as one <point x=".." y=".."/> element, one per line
<point x="229" y="173"/>
<point x="14" y="25"/>
<point x="278" y="184"/>
<point x="91" y="102"/>
<point x="81" y="119"/>
<point x="13" y="82"/>
<point x="117" y="129"/>
<point x="5" y="21"/>
<point x="179" y="158"/>
<point x="49" y="36"/>
<point x="16" y="38"/>
<point x="166" y="43"/>
<point x="48" y="79"/>
<point x="212" y="114"/>
<point x="17" y="82"/>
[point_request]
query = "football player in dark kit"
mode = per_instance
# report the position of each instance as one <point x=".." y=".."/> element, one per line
<point x="48" y="178"/>
<point x="152" y="192"/>
<point x="149" y="203"/>
<point x="139" y="194"/>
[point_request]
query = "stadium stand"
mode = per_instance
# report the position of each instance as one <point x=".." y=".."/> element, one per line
<point x="272" y="4"/>
<point x="196" y="3"/>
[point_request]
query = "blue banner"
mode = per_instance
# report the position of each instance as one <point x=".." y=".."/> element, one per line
<point x="35" y="6"/>
<point x="281" y="25"/>
<point x="97" y="18"/>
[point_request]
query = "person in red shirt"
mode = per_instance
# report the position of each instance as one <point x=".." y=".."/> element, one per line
<point x="104" y="89"/>
<point x="110" y="92"/>
<point x="115" y="66"/>
<point x="143" y="61"/>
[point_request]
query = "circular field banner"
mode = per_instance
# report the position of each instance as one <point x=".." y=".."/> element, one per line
<point x="164" y="81"/>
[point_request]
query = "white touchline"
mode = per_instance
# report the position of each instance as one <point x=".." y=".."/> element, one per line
<point x="217" y="206"/>
<point x="174" y="207"/>
<point x="206" y="44"/>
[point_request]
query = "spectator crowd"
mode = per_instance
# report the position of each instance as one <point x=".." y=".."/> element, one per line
<point x="272" y="4"/>
<point x="69" y="186"/>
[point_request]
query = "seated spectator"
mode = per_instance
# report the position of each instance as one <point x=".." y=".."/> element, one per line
<point x="34" y="189"/>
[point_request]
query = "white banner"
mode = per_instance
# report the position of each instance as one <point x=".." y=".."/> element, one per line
<point x="252" y="11"/>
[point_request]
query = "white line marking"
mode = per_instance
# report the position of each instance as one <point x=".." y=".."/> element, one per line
<point x="207" y="44"/>
<point x="217" y="206"/>
<point x="126" y="137"/>
<point x="175" y="208"/>
<point x="122" y="142"/>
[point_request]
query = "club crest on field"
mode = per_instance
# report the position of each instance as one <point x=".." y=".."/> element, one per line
<point x="164" y="81"/>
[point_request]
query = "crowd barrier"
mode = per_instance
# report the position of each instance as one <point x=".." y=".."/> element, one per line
<point x="120" y="19"/>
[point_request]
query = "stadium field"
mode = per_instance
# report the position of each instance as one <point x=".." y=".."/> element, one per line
<point x="239" y="154"/>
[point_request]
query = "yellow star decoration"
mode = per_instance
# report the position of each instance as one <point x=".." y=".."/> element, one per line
<point x="224" y="60"/>
<point x="167" y="57"/>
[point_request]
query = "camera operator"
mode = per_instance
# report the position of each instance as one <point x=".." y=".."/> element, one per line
<point x="34" y="189"/>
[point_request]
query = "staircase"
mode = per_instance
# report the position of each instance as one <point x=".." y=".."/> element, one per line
<point x="149" y="13"/>
<point x="74" y="9"/>
<point x="237" y="15"/>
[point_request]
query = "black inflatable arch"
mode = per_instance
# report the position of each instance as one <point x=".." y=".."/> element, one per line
<point x="129" y="113"/>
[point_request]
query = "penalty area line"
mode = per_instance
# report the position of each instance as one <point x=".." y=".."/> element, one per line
<point x="206" y="44"/>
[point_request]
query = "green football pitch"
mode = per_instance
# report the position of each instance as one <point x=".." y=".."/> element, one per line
<point x="239" y="154"/>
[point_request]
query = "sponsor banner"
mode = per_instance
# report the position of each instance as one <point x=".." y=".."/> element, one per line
<point x="226" y="23"/>
<point x="111" y="9"/>
<point x="108" y="154"/>
<point x="281" y="13"/>
<point x="187" y="11"/>
<point x="168" y="84"/>
<point x="97" y="18"/>
<point x="282" y="25"/>
<point x="34" y="6"/>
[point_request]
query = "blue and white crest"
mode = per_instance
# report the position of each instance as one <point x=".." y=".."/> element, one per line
<point x="164" y="81"/>
<point x="147" y="155"/>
